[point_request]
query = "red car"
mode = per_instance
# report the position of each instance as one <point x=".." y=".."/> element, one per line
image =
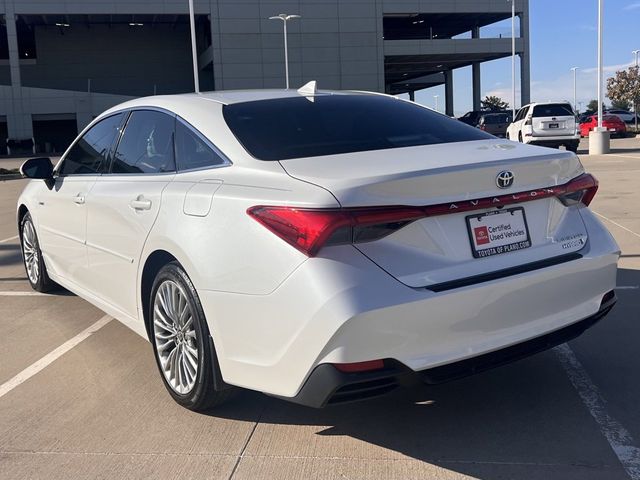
<point x="613" y="123"/>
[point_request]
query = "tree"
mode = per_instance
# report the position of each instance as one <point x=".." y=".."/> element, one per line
<point x="592" y="106"/>
<point x="625" y="86"/>
<point x="621" y="104"/>
<point x="492" y="102"/>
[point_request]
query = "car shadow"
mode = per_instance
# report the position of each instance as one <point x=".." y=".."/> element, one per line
<point x="525" y="413"/>
<point x="11" y="256"/>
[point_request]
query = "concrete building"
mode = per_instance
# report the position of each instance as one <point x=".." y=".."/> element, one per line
<point x="64" y="61"/>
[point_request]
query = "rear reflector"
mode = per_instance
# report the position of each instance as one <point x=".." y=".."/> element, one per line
<point x="360" y="366"/>
<point x="309" y="230"/>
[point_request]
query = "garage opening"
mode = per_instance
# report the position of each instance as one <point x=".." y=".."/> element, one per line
<point x="4" y="134"/>
<point x="53" y="133"/>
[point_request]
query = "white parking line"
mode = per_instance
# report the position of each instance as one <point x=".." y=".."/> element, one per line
<point x="49" y="358"/>
<point x="23" y="294"/>
<point x="618" y="225"/>
<point x="618" y="437"/>
<point x="9" y="239"/>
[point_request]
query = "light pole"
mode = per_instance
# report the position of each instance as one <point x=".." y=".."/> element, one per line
<point x="599" y="141"/>
<point x="194" y="52"/>
<point x="575" y="103"/>
<point x="285" y="18"/>
<point x="435" y="99"/>
<point x="513" y="57"/>
<point x="635" y="103"/>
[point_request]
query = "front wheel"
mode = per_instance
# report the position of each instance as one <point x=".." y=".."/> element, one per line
<point x="181" y="343"/>
<point x="32" y="257"/>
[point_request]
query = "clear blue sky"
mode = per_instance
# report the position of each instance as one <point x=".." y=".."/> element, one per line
<point x="563" y="35"/>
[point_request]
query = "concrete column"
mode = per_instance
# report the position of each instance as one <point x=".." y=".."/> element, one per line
<point x="18" y="122"/>
<point x="448" y="92"/>
<point x="525" y="69"/>
<point x="412" y="96"/>
<point x="475" y="74"/>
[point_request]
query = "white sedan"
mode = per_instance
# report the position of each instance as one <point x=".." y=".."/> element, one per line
<point x="321" y="247"/>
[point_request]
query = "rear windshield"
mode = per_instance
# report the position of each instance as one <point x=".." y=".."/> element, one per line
<point x="553" y="110"/>
<point x="296" y="127"/>
<point x="610" y="118"/>
<point x="491" y="119"/>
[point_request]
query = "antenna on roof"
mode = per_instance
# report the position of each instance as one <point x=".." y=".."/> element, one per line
<point x="308" y="89"/>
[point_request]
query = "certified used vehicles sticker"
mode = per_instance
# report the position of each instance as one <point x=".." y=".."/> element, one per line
<point x="497" y="232"/>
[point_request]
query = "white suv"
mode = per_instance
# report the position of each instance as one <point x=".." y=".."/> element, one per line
<point x="546" y="124"/>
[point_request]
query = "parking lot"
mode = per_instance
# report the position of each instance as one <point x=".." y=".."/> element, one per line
<point x="100" y="410"/>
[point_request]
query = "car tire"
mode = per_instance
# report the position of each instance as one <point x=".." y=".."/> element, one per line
<point x="32" y="259"/>
<point x="182" y="346"/>
<point x="520" y="137"/>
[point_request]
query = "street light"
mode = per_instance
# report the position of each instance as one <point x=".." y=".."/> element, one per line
<point x="599" y="141"/>
<point x="285" y="18"/>
<point x="575" y="103"/>
<point x="513" y="57"/>
<point x="635" y="104"/>
<point x="194" y="52"/>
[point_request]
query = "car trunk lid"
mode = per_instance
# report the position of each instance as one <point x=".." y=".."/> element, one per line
<point x="441" y="248"/>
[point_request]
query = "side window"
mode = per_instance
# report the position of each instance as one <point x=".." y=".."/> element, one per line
<point x="146" y="145"/>
<point x="91" y="151"/>
<point x="193" y="151"/>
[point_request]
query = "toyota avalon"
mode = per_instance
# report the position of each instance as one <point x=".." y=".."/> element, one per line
<point x="318" y="246"/>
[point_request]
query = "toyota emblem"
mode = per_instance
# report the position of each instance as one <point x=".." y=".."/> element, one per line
<point x="505" y="179"/>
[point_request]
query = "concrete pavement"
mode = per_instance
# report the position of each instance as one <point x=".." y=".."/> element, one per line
<point x="101" y="411"/>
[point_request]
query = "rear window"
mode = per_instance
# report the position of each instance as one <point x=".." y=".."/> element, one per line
<point x="296" y="127"/>
<point x="553" y="110"/>
<point x="493" y="119"/>
<point x="611" y="118"/>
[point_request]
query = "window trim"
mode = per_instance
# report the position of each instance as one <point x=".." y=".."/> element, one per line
<point x="226" y="161"/>
<point x="56" y="172"/>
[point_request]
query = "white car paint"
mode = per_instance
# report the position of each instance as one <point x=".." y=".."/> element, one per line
<point x="275" y="313"/>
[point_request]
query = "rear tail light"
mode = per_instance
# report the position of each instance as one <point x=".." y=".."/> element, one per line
<point x="309" y="230"/>
<point x="580" y="189"/>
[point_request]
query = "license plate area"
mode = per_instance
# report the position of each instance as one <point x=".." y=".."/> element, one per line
<point x="554" y="125"/>
<point x="498" y="232"/>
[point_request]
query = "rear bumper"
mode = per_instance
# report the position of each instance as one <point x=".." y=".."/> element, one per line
<point x="342" y="308"/>
<point x="328" y="386"/>
<point x="552" y="140"/>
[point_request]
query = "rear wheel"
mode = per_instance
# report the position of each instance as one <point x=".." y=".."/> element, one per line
<point x="32" y="257"/>
<point x="520" y="137"/>
<point x="181" y="342"/>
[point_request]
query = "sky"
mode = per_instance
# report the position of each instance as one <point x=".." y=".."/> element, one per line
<point x="563" y="34"/>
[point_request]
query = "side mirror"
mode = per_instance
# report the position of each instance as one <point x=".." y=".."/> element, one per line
<point x="38" y="168"/>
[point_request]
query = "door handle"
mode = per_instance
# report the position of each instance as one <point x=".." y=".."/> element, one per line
<point x="140" y="203"/>
<point x="79" y="199"/>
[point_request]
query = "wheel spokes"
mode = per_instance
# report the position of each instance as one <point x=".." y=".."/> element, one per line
<point x="175" y="337"/>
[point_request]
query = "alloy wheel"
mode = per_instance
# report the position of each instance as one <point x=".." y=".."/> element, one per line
<point x="30" y="252"/>
<point x="175" y="337"/>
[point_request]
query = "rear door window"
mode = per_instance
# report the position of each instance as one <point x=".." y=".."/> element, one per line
<point x="90" y="154"/>
<point x="553" y="110"/>
<point x="146" y="145"/>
